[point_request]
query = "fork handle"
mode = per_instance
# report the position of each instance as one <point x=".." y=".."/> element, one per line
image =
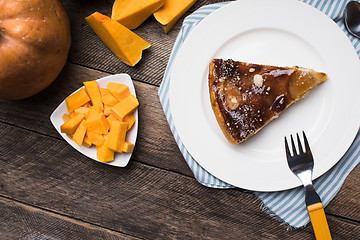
<point x="318" y="220"/>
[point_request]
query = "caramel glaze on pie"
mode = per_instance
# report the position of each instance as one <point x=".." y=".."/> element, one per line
<point x="245" y="97"/>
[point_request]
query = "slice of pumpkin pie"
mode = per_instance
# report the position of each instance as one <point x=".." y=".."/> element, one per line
<point x="246" y="96"/>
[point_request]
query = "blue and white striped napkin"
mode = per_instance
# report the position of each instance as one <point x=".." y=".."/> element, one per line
<point x="289" y="205"/>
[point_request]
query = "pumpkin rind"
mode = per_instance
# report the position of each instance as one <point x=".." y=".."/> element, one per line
<point x="35" y="40"/>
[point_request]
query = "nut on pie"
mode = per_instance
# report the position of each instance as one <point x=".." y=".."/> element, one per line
<point x="246" y="96"/>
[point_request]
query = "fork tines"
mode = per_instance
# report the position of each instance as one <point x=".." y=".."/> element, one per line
<point x="300" y="147"/>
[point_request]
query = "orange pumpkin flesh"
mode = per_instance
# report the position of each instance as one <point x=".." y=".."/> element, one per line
<point x="34" y="44"/>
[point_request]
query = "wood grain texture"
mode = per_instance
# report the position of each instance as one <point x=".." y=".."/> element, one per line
<point x="347" y="200"/>
<point x="21" y="221"/>
<point x="138" y="200"/>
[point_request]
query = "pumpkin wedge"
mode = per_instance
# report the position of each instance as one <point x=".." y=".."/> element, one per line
<point x="131" y="13"/>
<point x="124" y="43"/>
<point x="171" y="12"/>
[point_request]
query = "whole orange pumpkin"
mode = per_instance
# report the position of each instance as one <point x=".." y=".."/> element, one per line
<point x="34" y="45"/>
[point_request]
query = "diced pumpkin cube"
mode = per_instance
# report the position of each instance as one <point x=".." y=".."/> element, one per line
<point x="79" y="134"/>
<point x="93" y="91"/>
<point x="132" y="13"/>
<point x="70" y="126"/>
<point x="112" y="118"/>
<point x="87" y="105"/>
<point x="171" y="12"/>
<point x="128" y="147"/>
<point x="119" y="90"/>
<point x="125" y="106"/>
<point x="104" y="154"/>
<point x="124" y="43"/>
<point x="86" y="143"/>
<point x="76" y="100"/>
<point x="116" y="137"/>
<point x="130" y="119"/>
<point x="65" y="117"/>
<point x="104" y="91"/>
<point x="97" y="124"/>
<point x="73" y="114"/>
<point x="109" y="100"/>
<point x="96" y="139"/>
<point x="107" y="110"/>
<point x="82" y="110"/>
<point x="94" y="110"/>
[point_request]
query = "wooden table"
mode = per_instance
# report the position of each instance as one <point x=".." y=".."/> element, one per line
<point x="48" y="190"/>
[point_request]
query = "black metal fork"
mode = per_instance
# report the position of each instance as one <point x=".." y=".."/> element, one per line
<point x="301" y="163"/>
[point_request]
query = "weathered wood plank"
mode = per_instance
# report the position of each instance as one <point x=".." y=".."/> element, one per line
<point x="138" y="200"/>
<point x="21" y="221"/>
<point x="88" y="50"/>
<point x="346" y="202"/>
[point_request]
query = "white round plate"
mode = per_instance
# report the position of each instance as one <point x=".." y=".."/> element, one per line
<point x="120" y="159"/>
<point x="275" y="32"/>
